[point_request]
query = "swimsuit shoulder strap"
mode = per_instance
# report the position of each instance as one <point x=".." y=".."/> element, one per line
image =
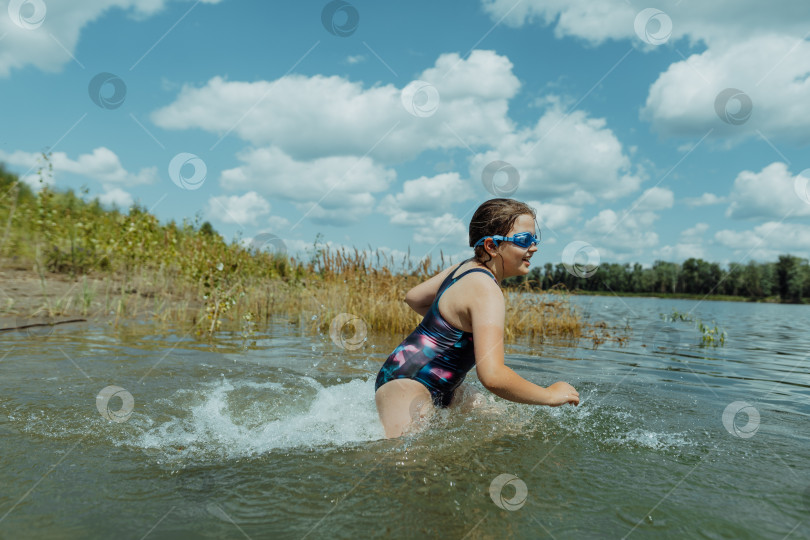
<point x="476" y="270"/>
<point x="450" y="277"/>
<point x="449" y="280"/>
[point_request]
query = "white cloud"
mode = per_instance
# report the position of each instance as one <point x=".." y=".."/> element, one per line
<point x="680" y="252"/>
<point x="767" y="241"/>
<point x="42" y="47"/>
<point x="707" y="199"/>
<point x="355" y="59"/>
<point x="240" y="210"/>
<point x="771" y="70"/>
<point x="569" y="159"/>
<point x="592" y="21"/>
<point x="318" y="116"/>
<point x="768" y="194"/>
<point x="444" y="229"/>
<point x="754" y="46"/>
<point x="621" y="235"/>
<point x="331" y="190"/>
<point x="297" y="123"/>
<point x="425" y="196"/>
<point x="116" y="196"/>
<point x="655" y="198"/>
<point x="419" y="206"/>
<point x="565" y="160"/>
<point x="483" y="75"/>
<point x="36" y="182"/>
<point x="277" y="223"/>
<point x="695" y="233"/>
<point x="394" y="259"/>
<point x="716" y="22"/>
<point x="690" y="244"/>
<point x="629" y="233"/>
<point x="102" y="165"/>
<point x="555" y="216"/>
<point x="421" y="203"/>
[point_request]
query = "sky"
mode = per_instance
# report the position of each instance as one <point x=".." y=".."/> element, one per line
<point x="638" y="131"/>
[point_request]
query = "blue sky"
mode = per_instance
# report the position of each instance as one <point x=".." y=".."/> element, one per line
<point x="616" y="118"/>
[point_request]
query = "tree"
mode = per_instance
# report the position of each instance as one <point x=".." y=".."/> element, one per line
<point x="733" y="280"/>
<point x="666" y="276"/>
<point x="789" y="278"/>
<point x="206" y="229"/>
<point x="752" y="280"/>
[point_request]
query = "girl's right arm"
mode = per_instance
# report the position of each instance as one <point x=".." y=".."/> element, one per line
<point x="487" y="312"/>
<point x="421" y="297"/>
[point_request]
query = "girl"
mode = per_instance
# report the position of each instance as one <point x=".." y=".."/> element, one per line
<point x="463" y="327"/>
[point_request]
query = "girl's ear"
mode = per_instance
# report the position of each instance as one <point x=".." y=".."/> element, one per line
<point x="493" y="244"/>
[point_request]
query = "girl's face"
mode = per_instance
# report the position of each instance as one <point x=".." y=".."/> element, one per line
<point x="514" y="257"/>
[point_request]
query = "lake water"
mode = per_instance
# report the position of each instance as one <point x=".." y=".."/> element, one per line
<point x="278" y="437"/>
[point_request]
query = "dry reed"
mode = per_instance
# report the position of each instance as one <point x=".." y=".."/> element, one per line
<point x="337" y="281"/>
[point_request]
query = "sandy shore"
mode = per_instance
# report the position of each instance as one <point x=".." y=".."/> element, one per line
<point x="27" y="298"/>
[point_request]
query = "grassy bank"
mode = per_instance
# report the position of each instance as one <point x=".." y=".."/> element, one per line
<point x="74" y="258"/>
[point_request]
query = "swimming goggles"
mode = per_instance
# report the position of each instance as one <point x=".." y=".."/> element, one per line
<point x="521" y="240"/>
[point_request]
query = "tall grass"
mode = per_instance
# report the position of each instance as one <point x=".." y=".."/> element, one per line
<point x="187" y="274"/>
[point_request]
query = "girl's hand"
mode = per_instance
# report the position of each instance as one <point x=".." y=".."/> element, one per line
<point x="561" y="393"/>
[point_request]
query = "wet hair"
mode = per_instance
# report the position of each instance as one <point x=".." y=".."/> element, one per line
<point x="495" y="216"/>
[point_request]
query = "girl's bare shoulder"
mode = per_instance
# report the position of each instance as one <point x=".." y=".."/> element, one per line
<point x="479" y="282"/>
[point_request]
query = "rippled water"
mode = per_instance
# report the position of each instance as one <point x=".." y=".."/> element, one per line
<point x="277" y="436"/>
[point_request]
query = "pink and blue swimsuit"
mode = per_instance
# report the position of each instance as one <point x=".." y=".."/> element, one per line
<point x="436" y="353"/>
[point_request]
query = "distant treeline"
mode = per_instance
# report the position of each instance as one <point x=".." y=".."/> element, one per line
<point x="786" y="280"/>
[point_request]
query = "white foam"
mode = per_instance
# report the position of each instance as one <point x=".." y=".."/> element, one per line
<point x="651" y="439"/>
<point x="244" y="418"/>
<point x="239" y="418"/>
<point x="614" y="426"/>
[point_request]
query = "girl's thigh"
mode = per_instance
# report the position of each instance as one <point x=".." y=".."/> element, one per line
<point x="401" y="404"/>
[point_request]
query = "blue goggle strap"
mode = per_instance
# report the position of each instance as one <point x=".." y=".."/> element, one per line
<point x="496" y="238"/>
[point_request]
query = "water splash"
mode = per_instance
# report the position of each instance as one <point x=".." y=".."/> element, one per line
<point x="243" y="418"/>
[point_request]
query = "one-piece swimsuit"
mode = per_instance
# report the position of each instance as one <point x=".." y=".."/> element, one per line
<point x="436" y="353"/>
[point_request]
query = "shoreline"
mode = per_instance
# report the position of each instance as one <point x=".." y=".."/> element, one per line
<point x="684" y="296"/>
<point x="28" y="297"/>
